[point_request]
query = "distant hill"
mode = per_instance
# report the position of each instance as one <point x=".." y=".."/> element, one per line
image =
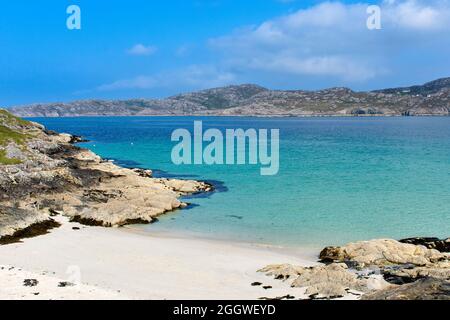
<point x="424" y="90"/>
<point x="221" y="98"/>
<point x="432" y="98"/>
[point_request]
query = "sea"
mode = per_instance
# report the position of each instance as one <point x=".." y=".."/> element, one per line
<point x="339" y="180"/>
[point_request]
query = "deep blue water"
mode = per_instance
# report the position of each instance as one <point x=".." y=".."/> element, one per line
<point x="340" y="179"/>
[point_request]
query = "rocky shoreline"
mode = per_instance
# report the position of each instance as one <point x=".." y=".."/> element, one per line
<point x="385" y="269"/>
<point x="44" y="174"/>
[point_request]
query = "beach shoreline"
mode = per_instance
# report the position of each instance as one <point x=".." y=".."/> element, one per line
<point x="307" y="251"/>
<point x="79" y="194"/>
<point x="125" y="263"/>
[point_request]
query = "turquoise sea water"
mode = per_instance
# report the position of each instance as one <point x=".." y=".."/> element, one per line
<point x="340" y="179"/>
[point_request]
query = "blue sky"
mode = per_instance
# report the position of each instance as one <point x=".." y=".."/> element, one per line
<point x="144" y="49"/>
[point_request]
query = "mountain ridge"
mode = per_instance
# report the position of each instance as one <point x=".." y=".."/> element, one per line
<point x="431" y="98"/>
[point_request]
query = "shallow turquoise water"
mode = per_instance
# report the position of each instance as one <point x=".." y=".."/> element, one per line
<point x="340" y="179"/>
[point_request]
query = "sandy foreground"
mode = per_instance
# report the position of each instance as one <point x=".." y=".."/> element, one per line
<point x="125" y="264"/>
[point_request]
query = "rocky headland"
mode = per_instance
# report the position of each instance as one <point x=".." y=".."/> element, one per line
<point x="43" y="174"/>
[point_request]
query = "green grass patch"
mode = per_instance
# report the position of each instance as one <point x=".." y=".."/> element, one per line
<point x="8" y="135"/>
<point x="7" y="161"/>
<point x="8" y="118"/>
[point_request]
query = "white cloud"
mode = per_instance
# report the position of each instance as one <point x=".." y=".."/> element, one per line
<point x="140" y="82"/>
<point x="194" y="76"/>
<point x="141" y="50"/>
<point x="325" y="45"/>
<point x="340" y="66"/>
<point x="331" y="39"/>
<point x="203" y="76"/>
<point x="418" y="15"/>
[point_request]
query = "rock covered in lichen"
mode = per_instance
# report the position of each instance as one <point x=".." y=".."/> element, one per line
<point x="423" y="289"/>
<point x="324" y="281"/>
<point x="14" y="219"/>
<point x="367" y="266"/>
<point x="406" y="273"/>
<point x="382" y="252"/>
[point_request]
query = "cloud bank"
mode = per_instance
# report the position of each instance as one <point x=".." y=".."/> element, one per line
<point x="332" y="39"/>
<point x="329" y="42"/>
<point x="194" y="76"/>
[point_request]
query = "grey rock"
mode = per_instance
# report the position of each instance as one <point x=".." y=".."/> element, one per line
<point x="424" y="289"/>
<point x="324" y="281"/>
<point x="382" y="252"/>
<point x="30" y="282"/>
<point x="409" y="273"/>
<point x="431" y="243"/>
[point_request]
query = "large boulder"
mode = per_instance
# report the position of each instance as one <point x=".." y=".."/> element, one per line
<point x="325" y="281"/>
<point x="424" y="289"/>
<point x="381" y="253"/>
<point x="393" y="270"/>
<point x="406" y="274"/>
<point x="330" y="281"/>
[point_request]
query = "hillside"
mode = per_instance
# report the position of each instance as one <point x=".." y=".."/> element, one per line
<point x="424" y="90"/>
<point x="432" y="98"/>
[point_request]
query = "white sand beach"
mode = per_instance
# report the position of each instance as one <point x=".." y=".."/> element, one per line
<point x="128" y="264"/>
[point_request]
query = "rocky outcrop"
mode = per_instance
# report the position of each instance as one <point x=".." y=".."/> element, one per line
<point x="424" y="289"/>
<point x="324" y="281"/>
<point x="398" y="262"/>
<point x="430" y="99"/>
<point x="402" y="274"/>
<point x="381" y="253"/>
<point x="44" y="174"/>
<point x="387" y="267"/>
